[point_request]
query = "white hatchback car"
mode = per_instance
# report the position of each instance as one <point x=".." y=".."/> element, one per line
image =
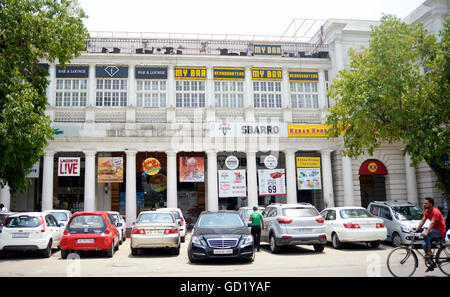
<point x="353" y="224"/>
<point x="180" y="220"/>
<point x="62" y="216"/>
<point x="31" y="231"/>
<point x="121" y="227"/>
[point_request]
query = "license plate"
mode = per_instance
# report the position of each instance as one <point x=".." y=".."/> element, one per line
<point x="154" y="231"/>
<point x="20" y="235"/>
<point x="85" y="241"/>
<point x="223" y="252"/>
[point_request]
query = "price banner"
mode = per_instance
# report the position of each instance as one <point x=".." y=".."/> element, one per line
<point x="232" y="183"/>
<point x="272" y="182"/>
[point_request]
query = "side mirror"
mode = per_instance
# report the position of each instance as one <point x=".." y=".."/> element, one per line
<point x="118" y="224"/>
<point x="61" y="224"/>
<point x="180" y="223"/>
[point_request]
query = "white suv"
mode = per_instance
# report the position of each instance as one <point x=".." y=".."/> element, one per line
<point x="180" y="220"/>
<point x="31" y="231"/>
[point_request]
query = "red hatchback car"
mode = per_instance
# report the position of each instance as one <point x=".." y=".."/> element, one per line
<point x="90" y="231"/>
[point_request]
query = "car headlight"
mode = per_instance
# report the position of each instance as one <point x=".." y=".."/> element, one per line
<point x="248" y="240"/>
<point x="407" y="229"/>
<point x="196" y="240"/>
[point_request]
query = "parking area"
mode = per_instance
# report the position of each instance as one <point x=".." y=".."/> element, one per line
<point x="354" y="260"/>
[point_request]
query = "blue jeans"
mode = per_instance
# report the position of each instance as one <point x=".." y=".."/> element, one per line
<point x="434" y="234"/>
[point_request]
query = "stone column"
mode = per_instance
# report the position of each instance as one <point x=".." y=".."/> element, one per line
<point x="411" y="181"/>
<point x="252" y="184"/>
<point x="89" y="181"/>
<point x="327" y="178"/>
<point x="347" y="173"/>
<point x="172" y="198"/>
<point x="213" y="197"/>
<point x="130" y="198"/>
<point x="291" y="177"/>
<point x="47" y="181"/>
<point x="5" y="197"/>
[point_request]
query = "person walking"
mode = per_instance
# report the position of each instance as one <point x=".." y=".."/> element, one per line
<point x="257" y="224"/>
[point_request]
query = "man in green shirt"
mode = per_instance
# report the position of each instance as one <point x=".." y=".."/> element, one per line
<point x="257" y="223"/>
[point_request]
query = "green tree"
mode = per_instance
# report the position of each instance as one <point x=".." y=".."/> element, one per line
<point x="31" y="31"/>
<point x="397" y="91"/>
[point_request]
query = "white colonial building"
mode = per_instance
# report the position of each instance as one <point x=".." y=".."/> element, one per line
<point x="211" y="122"/>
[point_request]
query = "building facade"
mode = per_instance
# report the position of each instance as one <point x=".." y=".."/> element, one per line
<point x="204" y="124"/>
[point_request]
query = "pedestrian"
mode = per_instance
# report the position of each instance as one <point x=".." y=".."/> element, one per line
<point x="3" y="208"/>
<point x="257" y="224"/>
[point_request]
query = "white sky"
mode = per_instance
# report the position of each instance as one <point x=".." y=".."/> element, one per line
<point x="261" y="17"/>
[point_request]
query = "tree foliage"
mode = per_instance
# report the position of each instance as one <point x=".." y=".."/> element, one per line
<point x="31" y="31"/>
<point x="397" y="90"/>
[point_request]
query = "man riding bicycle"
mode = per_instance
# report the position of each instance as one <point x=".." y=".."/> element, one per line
<point x="436" y="230"/>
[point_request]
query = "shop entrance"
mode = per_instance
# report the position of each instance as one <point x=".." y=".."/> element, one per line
<point x="191" y="185"/>
<point x="372" y="182"/>
<point x="309" y="178"/>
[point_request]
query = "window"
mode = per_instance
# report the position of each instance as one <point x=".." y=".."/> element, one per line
<point x="267" y="94"/>
<point x="304" y="95"/>
<point x="190" y="94"/>
<point x="332" y="215"/>
<point x="111" y="92"/>
<point x="229" y="94"/>
<point x="71" y="92"/>
<point x="151" y="93"/>
<point x="385" y="213"/>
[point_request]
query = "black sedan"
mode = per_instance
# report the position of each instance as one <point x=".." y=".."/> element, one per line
<point x="221" y="234"/>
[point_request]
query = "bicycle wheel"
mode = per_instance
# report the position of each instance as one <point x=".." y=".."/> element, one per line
<point x="402" y="262"/>
<point x="443" y="259"/>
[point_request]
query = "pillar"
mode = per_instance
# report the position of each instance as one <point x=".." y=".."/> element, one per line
<point x="5" y="197"/>
<point x="252" y="184"/>
<point x="411" y="181"/>
<point x="172" y="198"/>
<point x="327" y="177"/>
<point x="47" y="181"/>
<point x="213" y="197"/>
<point x="347" y="174"/>
<point x="89" y="181"/>
<point x="291" y="177"/>
<point x="130" y="198"/>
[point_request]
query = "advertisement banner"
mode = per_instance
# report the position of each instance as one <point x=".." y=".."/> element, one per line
<point x="34" y="171"/>
<point x="151" y="72"/>
<point x="192" y="169"/>
<point x="303" y="76"/>
<point x="150" y="166"/>
<point x="312" y="130"/>
<point x="111" y="71"/>
<point x="272" y="182"/>
<point x="69" y="166"/>
<point x="267" y="74"/>
<point x="308" y="162"/>
<point x="221" y="73"/>
<point x="72" y="71"/>
<point x="190" y="72"/>
<point x="110" y="170"/>
<point x="264" y="49"/>
<point x="232" y="183"/>
<point x="309" y="179"/>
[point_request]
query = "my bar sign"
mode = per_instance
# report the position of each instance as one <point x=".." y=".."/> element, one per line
<point x="190" y="72"/>
<point x="261" y="49"/>
<point x="151" y="73"/>
<point x="72" y="71"/>
<point x="267" y="74"/>
<point x="303" y="76"/>
<point x="68" y="166"/>
<point x="229" y="73"/>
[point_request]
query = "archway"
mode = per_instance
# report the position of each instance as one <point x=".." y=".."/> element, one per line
<point x="372" y="182"/>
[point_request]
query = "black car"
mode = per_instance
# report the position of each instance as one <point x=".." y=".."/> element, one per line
<point x="221" y="234"/>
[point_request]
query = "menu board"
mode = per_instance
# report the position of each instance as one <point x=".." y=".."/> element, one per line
<point x="309" y="179"/>
<point x="272" y="182"/>
<point x="232" y="183"/>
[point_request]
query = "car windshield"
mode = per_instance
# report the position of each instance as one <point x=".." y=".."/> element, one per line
<point x="220" y="220"/>
<point x="300" y="212"/>
<point x="160" y="217"/>
<point x="87" y="224"/>
<point x="355" y="213"/>
<point x="23" y="222"/>
<point x="407" y="212"/>
<point x="60" y="216"/>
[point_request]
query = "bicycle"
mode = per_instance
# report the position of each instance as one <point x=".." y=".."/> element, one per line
<point x="403" y="262"/>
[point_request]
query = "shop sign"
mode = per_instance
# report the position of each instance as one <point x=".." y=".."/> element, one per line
<point x="303" y="76"/>
<point x="192" y="169"/>
<point x="190" y="72"/>
<point x="372" y="167"/>
<point x="272" y="182"/>
<point x="267" y="74"/>
<point x="236" y="129"/>
<point x="68" y="166"/>
<point x="271" y="162"/>
<point x="264" y="49"/>
<point x="308" y="162"/>
<point x="151" y="73"/>
<point x="229" y="73"/>
<point x="34" y="171"/>
<point x="158" y="182"/>
<point x="232" y="162"/>
<point x="111" y="71"/>
<point x="309" y="179"/>
<point x="260" y="129"/>
<point x="308" y="130"/>
<point x="150" y="166"/>
<point x="232" y="183"/>
<point x="72" y="71"/>
<point x="110" y="170"/>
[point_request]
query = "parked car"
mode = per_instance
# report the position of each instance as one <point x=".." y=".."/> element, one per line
<point x="120" y="225"/>
<point x="447" y="237"/>
<point x="3" y="217"/>
<point x="293" y="224"/>
<point x="400" y="218"/>
<point x="353" y="224"/>
<point x="222" y="234"/>
<point x="90" y="231"/>
<point x="155" y="229"/>
<point x="30" y="231"/>
<point x="245" y="212"/>
<point x="62" y="216"/>
<point x="180" y="219"/>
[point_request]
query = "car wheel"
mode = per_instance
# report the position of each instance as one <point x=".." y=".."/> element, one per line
<point x="319" y="247"/>
<point x="274" y="248"/>
<point x="110" y="252"/>
<point x="374" y="244"/>
<point x="116" y="248"/>
<point x="183" y="239"/>
<point x="191" y="258"/>
<point x="337" y="244"/>
<point x="48" y="251"/>
<point x="134" y="252"/>
<point x="64" y="254"/>
<point x="176" y="251"/>
<point x="396" y="240"/>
